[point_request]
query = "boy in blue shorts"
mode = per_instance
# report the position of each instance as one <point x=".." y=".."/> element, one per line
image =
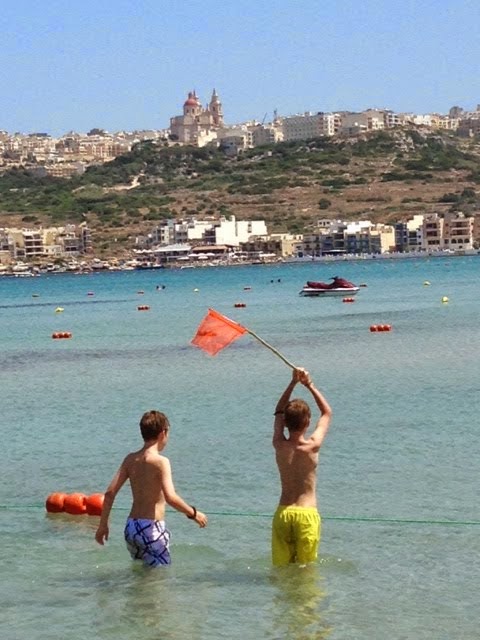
<point x="150" y="477"/>
<point x="296" y="524"/>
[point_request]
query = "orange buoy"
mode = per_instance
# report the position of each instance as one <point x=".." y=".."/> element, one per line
<point x="374" y="327"/>
<point x="348" y="300"/>
<point x="94" y="504"/>
<point x="55" y="502"/>
<point x="386" y="327"/>
<point x="59" y="335"/>
<point x="75" y="504"/>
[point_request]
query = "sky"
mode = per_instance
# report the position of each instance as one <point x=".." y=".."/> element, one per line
<point x="128" y="64"/>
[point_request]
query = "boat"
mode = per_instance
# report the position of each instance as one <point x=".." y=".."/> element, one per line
<point x="339" y="287"/>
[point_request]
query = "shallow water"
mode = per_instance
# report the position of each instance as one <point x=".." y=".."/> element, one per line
<point x="402" y="447"/>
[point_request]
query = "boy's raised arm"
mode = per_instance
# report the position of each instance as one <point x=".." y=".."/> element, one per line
<point x="323" y="422"/>
<point x="279" y="422"/>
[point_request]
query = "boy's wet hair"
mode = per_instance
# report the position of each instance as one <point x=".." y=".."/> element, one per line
<point x="297" y="415"/>
<point x="152" y="424"/>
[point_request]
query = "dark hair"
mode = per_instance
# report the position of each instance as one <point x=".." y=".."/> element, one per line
<point x="152" y="424"/>
<point x="297" y="415"/>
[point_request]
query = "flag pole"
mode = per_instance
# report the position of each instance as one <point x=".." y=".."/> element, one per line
<point x="269" y="346"/>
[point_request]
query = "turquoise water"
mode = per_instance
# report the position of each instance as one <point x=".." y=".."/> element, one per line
<point x="403" y="446"/>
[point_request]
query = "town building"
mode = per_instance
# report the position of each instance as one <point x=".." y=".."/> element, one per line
<point x="458" y="231"/>
<point x="432" y="232"/>
<point x="408" y="234"/>
<point x="309" y="125"/>
<point x="284" y="245"/>
<point x="210" y="231"/>
<point x="32" y="244"/>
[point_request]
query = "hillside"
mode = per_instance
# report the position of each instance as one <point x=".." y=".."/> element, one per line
<point x="383" y="176"/>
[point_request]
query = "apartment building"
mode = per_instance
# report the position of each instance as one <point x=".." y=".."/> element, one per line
<point x="220" y="231"/>
<point x="458" y="231"/>
<point x="284" y="245"/>
<point x="233" y="232"/>
<point x="328" y="239"/>
<point x="432" y="232"/>
<point x="369" y="120"/>
<point x="266" y="134"/>
<point x="408" y="234"/>
<point x="308" y="125"/>
<point x="469" y="126"/>
<point x="30" y="244"/>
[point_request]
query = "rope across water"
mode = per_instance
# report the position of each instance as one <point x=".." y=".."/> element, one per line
<point x="251" y="514"/>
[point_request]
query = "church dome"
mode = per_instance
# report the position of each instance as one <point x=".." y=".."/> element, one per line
<point x="191" y="101"/>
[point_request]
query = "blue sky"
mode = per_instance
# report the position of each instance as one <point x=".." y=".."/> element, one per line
<point x="118" y="64"/>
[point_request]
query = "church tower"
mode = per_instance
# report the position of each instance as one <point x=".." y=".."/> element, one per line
<point x="216" y="110"/>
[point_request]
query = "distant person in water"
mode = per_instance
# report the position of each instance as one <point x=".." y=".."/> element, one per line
<point x="296" y="524"/>
<point x="150" y="477"/>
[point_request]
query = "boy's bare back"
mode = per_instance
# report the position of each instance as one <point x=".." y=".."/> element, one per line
<point x="146" y="471"/>
<point x="297" y="465"/>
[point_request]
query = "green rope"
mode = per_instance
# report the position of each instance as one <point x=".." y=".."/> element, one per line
<point x="248" y="514"/>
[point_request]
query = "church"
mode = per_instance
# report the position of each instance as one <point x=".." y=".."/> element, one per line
<point x="197" y="125"/>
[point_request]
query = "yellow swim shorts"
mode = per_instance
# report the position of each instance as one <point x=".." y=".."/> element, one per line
<point x="295" y="535"/>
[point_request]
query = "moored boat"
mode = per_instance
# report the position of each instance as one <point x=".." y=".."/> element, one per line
<point x="339" y="287"/>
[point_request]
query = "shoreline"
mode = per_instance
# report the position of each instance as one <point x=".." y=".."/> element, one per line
<point x="23" y="270"/>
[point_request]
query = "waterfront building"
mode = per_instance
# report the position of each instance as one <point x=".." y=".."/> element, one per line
<point x="408" y="234"/>
<point x="458" y="231"/>
<point x="233" y="232"/>
<point x="432" y="232"/>
<point x="171" y="253"/>
<point x="326" y="240"/>
<point x="30" y="244"/>
<point x="365" y="237"/>
<point x="284" y="245"/>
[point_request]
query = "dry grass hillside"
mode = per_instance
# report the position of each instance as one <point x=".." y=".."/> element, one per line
<point x="383" y="176"/>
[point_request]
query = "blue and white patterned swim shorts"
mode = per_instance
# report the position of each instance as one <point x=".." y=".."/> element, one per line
<point x="148" y="540"/>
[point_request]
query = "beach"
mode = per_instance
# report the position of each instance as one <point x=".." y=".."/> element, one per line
<point x="397" y="473"/>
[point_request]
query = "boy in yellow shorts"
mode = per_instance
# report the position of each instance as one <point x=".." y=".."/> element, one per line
<point x="296" y="524"/>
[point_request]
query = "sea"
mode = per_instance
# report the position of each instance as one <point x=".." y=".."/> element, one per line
<point x="397" y="480"/>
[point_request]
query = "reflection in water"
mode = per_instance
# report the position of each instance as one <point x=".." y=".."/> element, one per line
<point x="145" y="605"/>
<point x="163" y="602"/>
<point x="299" y="603"/>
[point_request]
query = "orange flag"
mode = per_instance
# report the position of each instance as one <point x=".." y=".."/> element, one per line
<point x="217" y="332"/>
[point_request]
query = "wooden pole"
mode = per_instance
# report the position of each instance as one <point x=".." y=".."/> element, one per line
<point x="269" y="346"/>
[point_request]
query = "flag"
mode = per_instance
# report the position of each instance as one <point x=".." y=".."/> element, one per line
<point x="216" y="332"/>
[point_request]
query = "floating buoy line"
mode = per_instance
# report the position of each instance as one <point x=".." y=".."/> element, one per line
<point x="380" y="327"/>
<point x="61" y="335"/>
<point x="75" y="504"/>
<point x="95" y="501"/>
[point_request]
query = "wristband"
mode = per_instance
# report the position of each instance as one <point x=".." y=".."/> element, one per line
<point x="194" y="513"/>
